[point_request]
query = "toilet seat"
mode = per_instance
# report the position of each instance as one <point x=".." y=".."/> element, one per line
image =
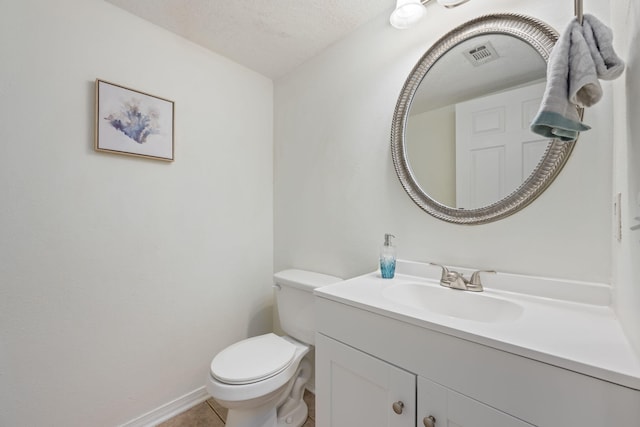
<point x="253" y="359"/>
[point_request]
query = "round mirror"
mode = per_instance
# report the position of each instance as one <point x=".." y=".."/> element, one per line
<point x="460" y="141"/>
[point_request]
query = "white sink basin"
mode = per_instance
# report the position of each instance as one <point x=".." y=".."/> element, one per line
<point x="450" y="302"/>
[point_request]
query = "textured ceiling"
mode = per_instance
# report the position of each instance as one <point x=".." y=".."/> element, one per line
<point x="271" y="37"/>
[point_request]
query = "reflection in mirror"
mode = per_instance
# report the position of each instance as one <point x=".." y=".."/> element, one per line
<point x="460" y="138"/>
<point x="467" y="136"/>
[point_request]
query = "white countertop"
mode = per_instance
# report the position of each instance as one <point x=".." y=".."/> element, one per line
<point x="583" y="336"/>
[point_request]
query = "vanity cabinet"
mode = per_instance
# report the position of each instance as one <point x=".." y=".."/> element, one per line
<point x="367" y="361"/>
<point x="356" y="389"/>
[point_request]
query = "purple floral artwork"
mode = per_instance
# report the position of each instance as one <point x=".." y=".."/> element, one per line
<point x="134" y="123"/>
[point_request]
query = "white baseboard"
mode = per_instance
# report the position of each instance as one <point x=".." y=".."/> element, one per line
<point x="169" y="410"/>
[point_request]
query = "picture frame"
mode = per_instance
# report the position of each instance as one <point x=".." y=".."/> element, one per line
<point x="133" y="123"/>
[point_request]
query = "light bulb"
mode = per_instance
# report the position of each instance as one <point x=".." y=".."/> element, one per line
<point x="407" y="13"/>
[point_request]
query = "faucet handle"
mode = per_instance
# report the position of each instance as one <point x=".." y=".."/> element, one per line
<point x="475" y="277"/>
<point x="445" y="272"/>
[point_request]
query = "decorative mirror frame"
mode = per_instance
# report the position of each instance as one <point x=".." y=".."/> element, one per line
<point x="542" y="38"/>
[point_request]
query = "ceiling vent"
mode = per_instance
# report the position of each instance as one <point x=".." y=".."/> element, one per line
<point x="481" y="54"/>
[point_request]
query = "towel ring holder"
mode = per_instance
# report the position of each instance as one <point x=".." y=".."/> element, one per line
<point x="577" y="6"/>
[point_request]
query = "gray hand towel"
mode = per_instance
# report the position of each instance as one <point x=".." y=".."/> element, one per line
<point x="582" y="54"/>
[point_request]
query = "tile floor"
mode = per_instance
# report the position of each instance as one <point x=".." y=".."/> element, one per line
<point x="210" y="414"/>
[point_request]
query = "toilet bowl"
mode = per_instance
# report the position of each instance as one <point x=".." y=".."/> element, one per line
<point x="261" y="380"/>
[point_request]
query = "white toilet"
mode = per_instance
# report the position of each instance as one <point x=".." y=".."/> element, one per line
<point x="261" y="380"/>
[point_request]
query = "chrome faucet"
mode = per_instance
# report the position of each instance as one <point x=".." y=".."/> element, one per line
<point x="454" y="280"/>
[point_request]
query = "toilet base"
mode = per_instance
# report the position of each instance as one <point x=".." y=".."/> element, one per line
<point x="288" y="411"/>
<point x="267" y="417"/>
<point x="257" y="417"/>
<point x="293" y="411"/>
<point x="296" y="417"/>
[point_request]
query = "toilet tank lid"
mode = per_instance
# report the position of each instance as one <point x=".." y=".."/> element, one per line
<point x="304" y="279"/>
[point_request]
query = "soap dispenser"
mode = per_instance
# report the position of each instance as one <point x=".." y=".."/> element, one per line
<point x="388" y="258"/>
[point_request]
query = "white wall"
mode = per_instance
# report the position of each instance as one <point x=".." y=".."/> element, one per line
<point x="626" y="16"/>
<point x="336" y="191"/>
<point x="120" y="277"/>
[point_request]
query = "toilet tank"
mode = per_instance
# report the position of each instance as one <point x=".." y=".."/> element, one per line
<point x="294" y="296"/>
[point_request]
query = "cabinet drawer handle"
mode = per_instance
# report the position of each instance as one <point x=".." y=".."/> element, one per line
<point x="398" y="407"/>
<point x="429" y="421"/>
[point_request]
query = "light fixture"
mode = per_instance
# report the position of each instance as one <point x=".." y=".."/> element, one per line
<point x="408" y="12"/>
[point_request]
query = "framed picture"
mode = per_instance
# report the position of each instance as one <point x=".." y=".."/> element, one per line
<point x="133" y="123"/>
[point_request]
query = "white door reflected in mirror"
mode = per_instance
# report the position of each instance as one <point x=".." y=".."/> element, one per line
<point x="477" y="148"/>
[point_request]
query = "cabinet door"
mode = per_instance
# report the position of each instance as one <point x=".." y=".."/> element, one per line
<point x="451" y="409"/>
<point x="355" y="389"/>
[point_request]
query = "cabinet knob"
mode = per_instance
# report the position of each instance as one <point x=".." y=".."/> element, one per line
<point x="398" y="407"/>
<point x="429" y="421"/>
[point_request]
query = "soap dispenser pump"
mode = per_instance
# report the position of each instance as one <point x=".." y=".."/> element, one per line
<point x="388" y="258"/>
